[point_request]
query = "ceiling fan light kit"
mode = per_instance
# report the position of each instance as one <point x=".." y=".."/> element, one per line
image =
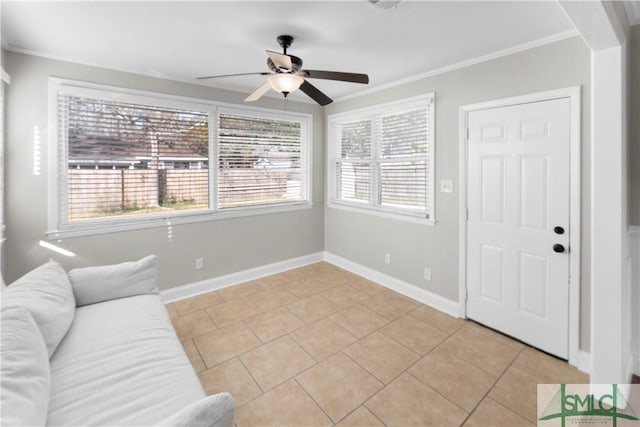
<point x="288" y="75"/>
<point x="285" y="83"/>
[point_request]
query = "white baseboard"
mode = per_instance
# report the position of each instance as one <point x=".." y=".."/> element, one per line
<point x="429" y="298"/>
<point x="584" y="361"/>
<point x="208" y="285"/>
<point x="220" y="282"/>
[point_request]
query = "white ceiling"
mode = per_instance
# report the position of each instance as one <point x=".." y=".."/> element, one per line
<point x="181" y="40"/>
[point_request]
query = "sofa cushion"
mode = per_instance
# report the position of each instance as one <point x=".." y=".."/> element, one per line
<point x="46" y="293"/>
<point x="24" y="370"/>
<point x="104" y="283"/>
<point x="121" y="364"/>
<point x="217" y="410"/>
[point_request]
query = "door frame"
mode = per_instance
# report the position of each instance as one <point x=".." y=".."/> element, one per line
<point x="573" y="93"/>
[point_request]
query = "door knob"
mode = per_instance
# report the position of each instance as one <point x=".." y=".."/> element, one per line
<point x="558" y="230"/>
<point x="558" y="248"/>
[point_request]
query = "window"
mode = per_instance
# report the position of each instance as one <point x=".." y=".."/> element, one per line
<point x="129" y="159"/>
<point x="381" y="159"/>
<point x="122" y="158"/>
<point x="260" y="161"/>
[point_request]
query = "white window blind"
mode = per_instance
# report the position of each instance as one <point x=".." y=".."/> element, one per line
<point x="383" y="158"/>
<point x="117" y="156"/>
<point x="261" y="161"/>
<point x="353" y="169"/>
<point x="129" y="159"/>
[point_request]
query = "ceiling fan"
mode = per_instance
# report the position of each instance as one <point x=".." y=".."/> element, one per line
<point x="287" y="75"/>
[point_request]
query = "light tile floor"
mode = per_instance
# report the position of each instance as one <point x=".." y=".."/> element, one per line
<point x="320" y="346"/>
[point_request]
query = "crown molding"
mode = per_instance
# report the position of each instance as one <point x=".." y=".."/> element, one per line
<point x="477" y="60"/>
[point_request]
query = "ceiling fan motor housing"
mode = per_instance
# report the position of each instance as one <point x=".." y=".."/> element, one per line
<point x="296" y="65"/>
<point x="285" y="41"/>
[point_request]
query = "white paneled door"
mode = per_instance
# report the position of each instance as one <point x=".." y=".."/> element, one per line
<point x="518" y="198"/>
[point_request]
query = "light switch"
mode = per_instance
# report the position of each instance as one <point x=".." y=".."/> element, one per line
<point x="446" y="186"/>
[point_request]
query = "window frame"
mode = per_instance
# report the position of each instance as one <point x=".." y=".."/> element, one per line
<point x="60" y="227"/>
<point x="372" y="113"/>
<point x="305" y="152"/>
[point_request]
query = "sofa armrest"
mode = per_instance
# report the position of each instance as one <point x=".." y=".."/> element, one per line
<point x="97" y="284"/>
<point x="217" y="410"/>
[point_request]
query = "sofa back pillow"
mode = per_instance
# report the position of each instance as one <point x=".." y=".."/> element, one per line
<point x="96" y="284"/>
<point x="25" y="379"/>
<point x="46" y="293"/>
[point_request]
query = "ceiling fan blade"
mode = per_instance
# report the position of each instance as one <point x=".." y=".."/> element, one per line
<point x="336" y="75"/>
<point x="233" y="75"/>
<point x="280" y="60"/>
<point x="315" y="93"/>
<point x="257" y="94"/>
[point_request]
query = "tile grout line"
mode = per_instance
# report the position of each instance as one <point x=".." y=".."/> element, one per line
<point x="215" y="328"/>
<point x="294" y="314"/>
<point x="324" y="316"/>
<point x="406" y="371"/>
<point x="480" y="367"/>
<point x="379" y="329"/>
<point x="486" y="395"/>
<point x="436" y="391"/>
<point x="244" y="352"/>
<point x="306" y="352"/>
<point x="210" y="318"/>
<point x="312" y="399"/>
<point x="418" y="379"/>
<point x="252" y="377"/>
<point x="318" y="362"/>
<point x="279" y="336"/>
<point x="497" y="402"/>
<point x="200" y="356"/>
<point x="238" y="356"/>
<point x="389" y="321"/>
<point x="348" y="357"/>
<point x="436" y="326"/>
<point x="361" y="405"/>
<point x="430" y="387"/>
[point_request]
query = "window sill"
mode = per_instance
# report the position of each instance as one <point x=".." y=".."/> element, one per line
<point x="381" y="213"/>
<point x="122" y="225"/>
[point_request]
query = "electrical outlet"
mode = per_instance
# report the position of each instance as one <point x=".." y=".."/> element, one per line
<point x="427" y="273"/>
<point x="387" y="258"/>
<point x="199" y="263"/>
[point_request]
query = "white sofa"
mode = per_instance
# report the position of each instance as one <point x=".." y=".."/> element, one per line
<point x="96" y="347"/>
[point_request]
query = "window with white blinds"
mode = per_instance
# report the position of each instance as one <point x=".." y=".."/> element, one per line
<point x="126" y="160"/>
<point x="261" y="161"/>
<point x="382" y="158"/>
<point x="141" y="159"/>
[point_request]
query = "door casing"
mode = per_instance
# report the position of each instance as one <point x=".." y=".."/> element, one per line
<point x="573" y="93"/>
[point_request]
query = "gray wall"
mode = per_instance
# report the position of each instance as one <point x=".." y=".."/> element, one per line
<point x="227" y="246"/>
<point x="237" y="244"/>
<point x="365" y="238"/>
<point x="634" y="127"/>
